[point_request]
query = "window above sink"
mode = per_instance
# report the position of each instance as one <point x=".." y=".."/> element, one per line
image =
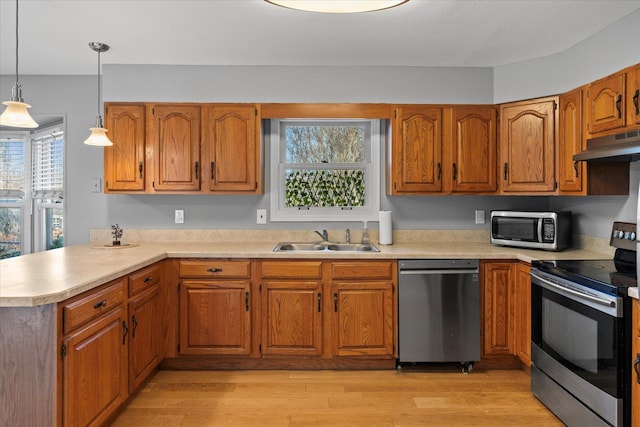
<point x="325" y="169"/>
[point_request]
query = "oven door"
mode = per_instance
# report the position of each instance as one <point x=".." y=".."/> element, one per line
<point x="581" y="329"/>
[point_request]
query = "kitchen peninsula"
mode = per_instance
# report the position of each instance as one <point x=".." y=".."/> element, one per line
<point x="37" y="291"/>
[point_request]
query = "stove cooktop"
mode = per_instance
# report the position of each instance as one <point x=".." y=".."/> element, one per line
<point x="612" y="276"/>
<point x="602" y="275"/>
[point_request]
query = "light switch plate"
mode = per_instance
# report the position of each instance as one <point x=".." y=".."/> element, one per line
<point x="261" y="216"/>
<point x="96" y="185"/>
<point x="479" y="216"/>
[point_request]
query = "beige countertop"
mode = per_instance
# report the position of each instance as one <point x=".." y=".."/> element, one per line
<point x="55" y="275"/>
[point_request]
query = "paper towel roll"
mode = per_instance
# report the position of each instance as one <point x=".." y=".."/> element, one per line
<point x="386" y="232"/>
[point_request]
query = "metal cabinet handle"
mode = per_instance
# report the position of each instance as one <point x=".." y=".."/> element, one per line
<point x="575" y="168"/>
<point x="246" y="301"/>
<point x="135" y="326"/>
<point x="125" y="327"/>
<point x="100" y="304"/>
<point x="619" y="106"/>
<point x="148" y="279"/>
<point x="197" y="168"/>
<point x="455" y="171"/>
<point x="213" y="171"/>
<point x="635" y="101"/>
<point x="505" y="169"/>
<point x="335" y="302"/>
<point x="319" y="302"/>
<point x="439" y="171"/>
<point x="636" y="362"/>
<point x="214" y="270"/>
<point x="140" y="169"/>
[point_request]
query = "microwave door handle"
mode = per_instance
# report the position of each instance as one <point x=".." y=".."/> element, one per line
<point x="576" y="293"/>
<point x="540" y="221"/>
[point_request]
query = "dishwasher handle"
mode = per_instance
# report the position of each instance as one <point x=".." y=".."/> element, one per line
<point x="440" y="271"/>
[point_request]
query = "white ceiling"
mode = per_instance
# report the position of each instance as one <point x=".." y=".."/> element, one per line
<point x="475" y="33"/>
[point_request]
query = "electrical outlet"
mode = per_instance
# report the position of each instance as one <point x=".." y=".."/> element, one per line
<point x="96" y="185"/>
<point x="479" y="216"/>
<point x="179" y="215"/>
<point x="261" y="216"/>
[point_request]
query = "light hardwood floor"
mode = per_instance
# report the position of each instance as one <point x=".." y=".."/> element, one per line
<point x="407" y="397"/>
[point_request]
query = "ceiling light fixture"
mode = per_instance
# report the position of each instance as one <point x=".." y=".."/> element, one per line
<point x="16" y="113"/>
<point x="334" y="6"/>
<point x="99" y="133"/>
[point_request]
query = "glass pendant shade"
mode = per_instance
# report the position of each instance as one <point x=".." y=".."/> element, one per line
<point x="98" y="137"/>
<point x="17" y="115"/>
<point x="333" y="6"/>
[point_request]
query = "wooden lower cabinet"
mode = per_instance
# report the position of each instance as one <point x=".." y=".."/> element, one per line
<point x="635" y="378"/>
<point x="506" y="307"/>
<point x="94" y="360"/>
<point x="144" y="345"/>
<point x="522" y="302"/>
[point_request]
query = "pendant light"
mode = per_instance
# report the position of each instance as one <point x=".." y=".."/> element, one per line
<point x="16" y="113"/>
<point x="333" y="6"/>
<point x="98" y="134"/>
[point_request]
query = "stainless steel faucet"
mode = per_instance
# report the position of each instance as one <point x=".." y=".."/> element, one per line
<point x="347" y="236"/>
<point x="324" y="235"/>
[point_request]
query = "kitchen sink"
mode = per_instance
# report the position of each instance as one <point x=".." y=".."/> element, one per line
<point x="328" y="247"/>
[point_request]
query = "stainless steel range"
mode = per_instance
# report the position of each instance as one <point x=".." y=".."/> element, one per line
<point x="581" y="334"/>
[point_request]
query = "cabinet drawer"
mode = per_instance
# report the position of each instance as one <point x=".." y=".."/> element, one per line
<point x="292" y="269"/>
<point x="92" y="305"/>
<point x="362" y="270"/>
<point x="214" y="269"/>
<point x="142" y="279"/>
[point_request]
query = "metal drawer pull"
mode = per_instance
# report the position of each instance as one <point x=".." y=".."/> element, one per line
<point x="148" y="279"/>
<point x="100" y="304"/>
<point x="214" y="270"/>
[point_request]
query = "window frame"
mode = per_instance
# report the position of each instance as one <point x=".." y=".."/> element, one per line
<point x="371" y="167"/>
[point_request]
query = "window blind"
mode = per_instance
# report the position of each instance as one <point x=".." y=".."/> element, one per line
<point x="11" y="169"/>
<point x="47" y="166"/>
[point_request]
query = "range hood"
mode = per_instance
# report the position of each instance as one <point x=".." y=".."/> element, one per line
<point x="622" y="147"/>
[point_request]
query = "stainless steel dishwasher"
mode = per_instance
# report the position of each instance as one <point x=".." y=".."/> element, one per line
<point x="439" y="311"/>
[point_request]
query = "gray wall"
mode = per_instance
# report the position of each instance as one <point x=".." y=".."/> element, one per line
<point x="75" y="98"/>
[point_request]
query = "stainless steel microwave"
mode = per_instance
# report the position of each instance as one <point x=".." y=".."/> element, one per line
<point x="535" y="230"/>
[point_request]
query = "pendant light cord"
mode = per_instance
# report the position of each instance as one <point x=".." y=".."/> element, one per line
<point x="17" y="80"/>
<point x="99" y="115"/>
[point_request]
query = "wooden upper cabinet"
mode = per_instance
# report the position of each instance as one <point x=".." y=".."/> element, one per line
<point x="571" y="174"/>
<point x="474" y="149"/>
<point x="606" y="104"/>
<point x="527" y="146"/>
<point x="175" y="136"/>
<point x="633" y="96"/>
<point x="417" y="150"/>
<point x="124" y="162"/>
<point x="231" y="148"/>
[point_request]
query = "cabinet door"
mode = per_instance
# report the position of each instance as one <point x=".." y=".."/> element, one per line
<point x="633" y="96"/>
<point x="527" y="146"/>
<point x="417" y="150"/>
<point x="362" y="318"/>
<point x="498" y="315"/>
<point x="124" y="166"/>
<point x="94" y="372"/>
<point x="231" y="141"/>
<point x="570" y="174"/>
<point x="146" y="332"/>
<point x="474" y="149"/>
<point x="175" y="133"/>
<point x="523" y="313"/>
<point x="606" y="106"/>
<point x="215" y="317"/>
<point x="292" y="317"/>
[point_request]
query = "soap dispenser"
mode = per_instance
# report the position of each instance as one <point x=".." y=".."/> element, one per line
<point x="365" y="235"/>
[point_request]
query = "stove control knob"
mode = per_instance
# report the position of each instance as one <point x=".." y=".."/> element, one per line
<point x="630" y="235"/>
<point x="618" y="234"/>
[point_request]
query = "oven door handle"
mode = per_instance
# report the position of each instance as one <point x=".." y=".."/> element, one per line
<point x="576" y="293"/>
